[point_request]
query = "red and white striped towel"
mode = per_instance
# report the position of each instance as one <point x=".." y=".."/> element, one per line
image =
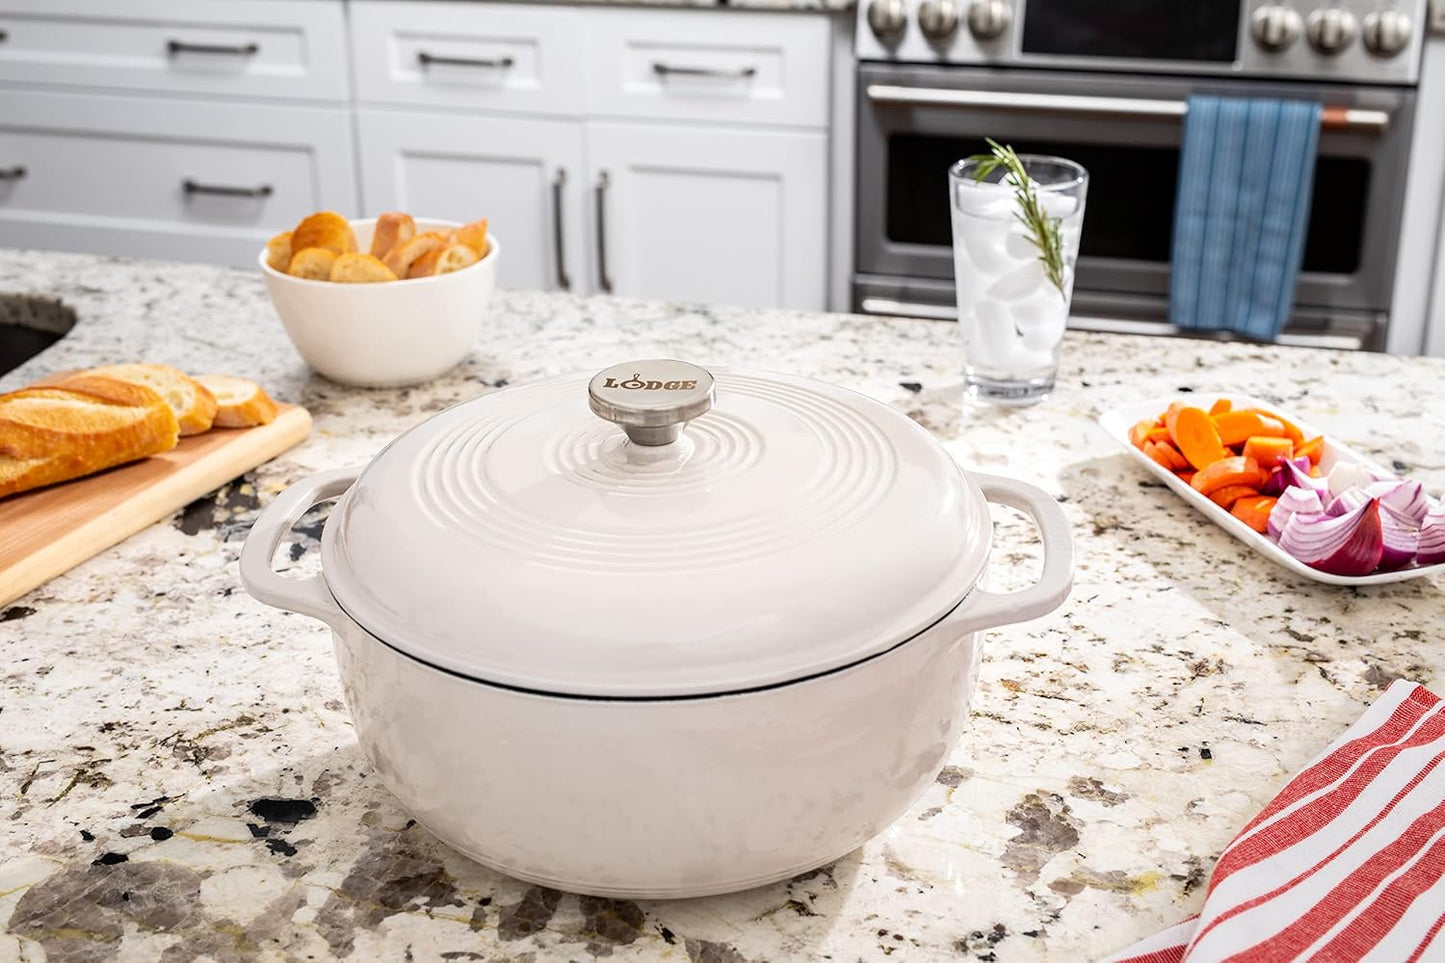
<point x="1345" y="864"/>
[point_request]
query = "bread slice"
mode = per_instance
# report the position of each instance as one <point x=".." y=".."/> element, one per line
<point x="313" y="264"/>
<point x="241" y="403"/>
<point x="357" y="268"/>
<point x="324" y="229"/>
<point x="405" y="254"/>
<point x="194" y="406"/>
<point x="54" y="434"/>
<point x="278" y="251"/>
<point x="443" y="260"/>
<point x="392" y="228"/>
<point x="474" y="236"/>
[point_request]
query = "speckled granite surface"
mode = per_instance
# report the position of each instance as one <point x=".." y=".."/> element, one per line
<point x="180" y="780"/>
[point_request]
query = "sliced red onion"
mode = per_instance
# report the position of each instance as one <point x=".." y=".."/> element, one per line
<point x="1291" y="501"/>
<point x="1348" y="544"/>
<point x="1401" y="537"/>
<point x="1346" y="501"/>
<point x="1298" y="475"/>
<point x="1276" y="484"/>
<point x="1346" y="475"/>
<point x="1406" y="497"/>
<point x="1432" y="537"/>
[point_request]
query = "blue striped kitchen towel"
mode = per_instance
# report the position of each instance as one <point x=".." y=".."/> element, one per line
<point x="1245" y="178"/>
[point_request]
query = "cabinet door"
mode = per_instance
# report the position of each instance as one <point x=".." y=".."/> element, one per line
<point x="522" y="175"/>
<point x="180" y="179"/>
<point x="693" y="214"/>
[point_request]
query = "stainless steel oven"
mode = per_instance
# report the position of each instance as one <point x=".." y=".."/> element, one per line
<point x="1070" y="77"/>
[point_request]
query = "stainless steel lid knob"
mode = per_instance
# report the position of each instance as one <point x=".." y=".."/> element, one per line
<point x="1275" y="26"/>
<point x="938" y="19"/>
<point x="1332" y="29"/>
<point x="1386" y="32"/>
<point x="887" y="19"/>
<point x="652" y="400"/>
<point x="988" y="19"/>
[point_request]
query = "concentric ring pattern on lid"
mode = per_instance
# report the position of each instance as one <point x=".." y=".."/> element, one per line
<point x="521" y="539"/>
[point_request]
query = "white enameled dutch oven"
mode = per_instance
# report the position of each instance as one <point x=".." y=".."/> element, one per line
<point x="600" y="653"/>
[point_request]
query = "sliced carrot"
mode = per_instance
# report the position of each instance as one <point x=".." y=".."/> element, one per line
<point x="1177" y="461"/>
<point x="1236" y="470"/>
<point x="1158" y="453"/>
<point x="1221" y="406"/>
<point x="1172" y="413"/>
<point x="1194" y="435"/>
<point x="1269" y="452"/>
<point x="1140" y="433"/>
<point x="1254" y="511"/>
<point x="1159" y="433"/>
<point x="1290" y="431"/>
<point x="1313" y="449"/>
<point x="1235" y="427"/>
<point x="1316" y="471"/>
<point x="1229" y="494"/>
<point x="1187" y="476"/>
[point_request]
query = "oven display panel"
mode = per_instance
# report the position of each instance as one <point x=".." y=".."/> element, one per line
<point x="1198" y="30"/>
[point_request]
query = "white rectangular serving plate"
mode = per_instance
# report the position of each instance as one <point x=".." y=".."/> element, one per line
<point x="1118" y="421"/>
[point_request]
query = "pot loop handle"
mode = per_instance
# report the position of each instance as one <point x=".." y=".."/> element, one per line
<point x="308" y="596"/>
<point x="983" y="609"/>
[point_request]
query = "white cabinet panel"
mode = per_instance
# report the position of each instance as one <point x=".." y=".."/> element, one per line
<point x="154" y="178"/>
<point x="491" y="56"/>
<point x="248" y="48"/>
<point x="698" y="65"/>
<point x="735" y="217"/>
<point x="522" y="175"/>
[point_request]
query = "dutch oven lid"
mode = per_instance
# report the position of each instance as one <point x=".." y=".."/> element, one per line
<point x="570" y="537"/>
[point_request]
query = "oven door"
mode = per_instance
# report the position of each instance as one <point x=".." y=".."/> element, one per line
<point x="1126" y="130"/>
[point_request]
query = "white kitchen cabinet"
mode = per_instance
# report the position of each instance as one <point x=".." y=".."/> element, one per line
<point x="523" y="175"/>
<point x="510" y="57"/>
<point x="176" y="179"/>
<point x="244" y="48"/>
<point x="731" y="66"/>
<point x="700" y="214"/>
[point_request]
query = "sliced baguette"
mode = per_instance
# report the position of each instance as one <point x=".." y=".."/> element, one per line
<point x="392" y="228"/>
<point x="194" y="406"/>
<point x="240" y="403"/>
<point x="54" y="434"/>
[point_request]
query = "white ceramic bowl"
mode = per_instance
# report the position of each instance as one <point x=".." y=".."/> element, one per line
<point x="386" y="334"/>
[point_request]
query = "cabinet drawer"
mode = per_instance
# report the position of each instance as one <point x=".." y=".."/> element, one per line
<point x="256" y="48"/>
<point x="473" y="55"/>
<point x="751" y="68"/>
<point x="166" y="178"/>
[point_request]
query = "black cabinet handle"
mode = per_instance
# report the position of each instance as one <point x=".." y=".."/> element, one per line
<point x="499" y="63"/>
<point x="4" y="36"/>
<point x="15" y="173"/>
<point x="603" y="280"/>
<point x="174" y="47"/>
<point x="558" y="183"/>
<point x="226" y="190"/>
<point x="662" y="70"/>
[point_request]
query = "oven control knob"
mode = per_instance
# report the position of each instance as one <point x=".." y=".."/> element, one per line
<point x="888" y="19"/>
<point x="988" y="18"/>
<point x="938" y="19"/>
<point x="1386" y="32"/>
<point x="1275" y="26"/>
<point x="1332" y="29"/>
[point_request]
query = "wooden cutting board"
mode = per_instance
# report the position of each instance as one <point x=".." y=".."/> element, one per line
<point x="51" y="530"/>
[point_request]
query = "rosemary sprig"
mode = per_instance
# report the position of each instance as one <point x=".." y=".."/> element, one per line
<point x="1043" y="231"/>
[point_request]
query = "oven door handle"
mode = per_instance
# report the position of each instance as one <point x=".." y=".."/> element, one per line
<point x="1333" y="118"/>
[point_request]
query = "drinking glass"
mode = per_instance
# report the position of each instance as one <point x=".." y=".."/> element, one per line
<point x="1011" y="314"/>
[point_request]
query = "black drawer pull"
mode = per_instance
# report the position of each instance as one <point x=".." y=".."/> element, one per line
<point x="4" y="36"/>
<point x="225" y="190"/>
<point x="174" y="47"/>
<point x="498" y="63"/>
<point x="15" y="173"/>
<point x="663" y="70"/>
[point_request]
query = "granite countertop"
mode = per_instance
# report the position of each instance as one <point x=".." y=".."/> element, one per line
<point x="181" y="780"/>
